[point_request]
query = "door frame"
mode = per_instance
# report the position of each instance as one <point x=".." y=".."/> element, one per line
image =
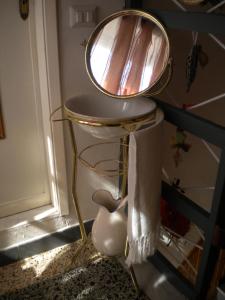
<point x="46" y="53"/>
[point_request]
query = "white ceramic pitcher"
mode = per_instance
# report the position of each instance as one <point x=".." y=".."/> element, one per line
<point x="109" y="230"/>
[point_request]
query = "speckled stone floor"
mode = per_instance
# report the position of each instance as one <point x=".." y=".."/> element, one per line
<point x="55" y="274"/>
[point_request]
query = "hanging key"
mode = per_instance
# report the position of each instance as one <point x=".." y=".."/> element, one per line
<point x="24" y="9"/>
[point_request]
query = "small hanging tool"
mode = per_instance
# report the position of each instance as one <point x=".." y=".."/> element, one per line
<point x="196" y="55"/>
<point x="192" y="61"/>
<point x="24" y="8"/>
<point x="180" y="144"/>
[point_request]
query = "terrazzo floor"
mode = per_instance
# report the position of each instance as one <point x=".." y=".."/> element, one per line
<point x="55" y="274"/>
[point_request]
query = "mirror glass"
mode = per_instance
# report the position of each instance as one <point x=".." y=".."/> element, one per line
<point x="127" y="54"/>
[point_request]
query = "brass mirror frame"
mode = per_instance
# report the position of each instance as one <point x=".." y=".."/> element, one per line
<point x="167" y="65"/>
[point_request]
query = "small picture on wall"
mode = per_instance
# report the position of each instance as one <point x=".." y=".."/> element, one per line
<point x="2" y="132"/>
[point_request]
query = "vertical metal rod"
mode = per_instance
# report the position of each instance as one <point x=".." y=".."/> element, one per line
<point x="74" y="192"/>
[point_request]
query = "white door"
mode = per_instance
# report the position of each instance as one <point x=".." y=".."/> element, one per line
<point x="23" y="161"/>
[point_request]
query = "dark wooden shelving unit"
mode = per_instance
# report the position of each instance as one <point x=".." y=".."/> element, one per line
<point x="209" y="222"/>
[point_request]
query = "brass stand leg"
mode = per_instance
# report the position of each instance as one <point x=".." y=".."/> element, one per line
<point x="75" y="199"/>
<point x="125" y="141"/>
<point x="74" y="193"/>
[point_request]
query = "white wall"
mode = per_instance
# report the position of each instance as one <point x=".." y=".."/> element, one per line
<point x="74" y="80"/>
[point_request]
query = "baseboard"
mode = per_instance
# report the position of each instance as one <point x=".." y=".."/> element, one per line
<point x="46" y="243"/>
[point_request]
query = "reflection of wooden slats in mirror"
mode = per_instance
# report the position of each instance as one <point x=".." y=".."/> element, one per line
<point x="2" y="132"/>
<point x="127" y="54"/>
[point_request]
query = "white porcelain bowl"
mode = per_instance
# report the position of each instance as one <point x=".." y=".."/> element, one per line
<point x="89" y="111"/>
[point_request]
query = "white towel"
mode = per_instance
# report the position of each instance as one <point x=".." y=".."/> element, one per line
<point x="144" y="190"/>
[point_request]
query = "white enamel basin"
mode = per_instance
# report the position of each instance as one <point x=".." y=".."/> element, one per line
<point x="89" y="111"/>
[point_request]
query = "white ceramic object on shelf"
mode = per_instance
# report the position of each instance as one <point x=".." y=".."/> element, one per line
<point x="100" y="115"/>
<point x="109" y="230"/>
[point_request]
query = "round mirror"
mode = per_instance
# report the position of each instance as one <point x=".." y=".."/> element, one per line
<point x="127" y="54"/>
